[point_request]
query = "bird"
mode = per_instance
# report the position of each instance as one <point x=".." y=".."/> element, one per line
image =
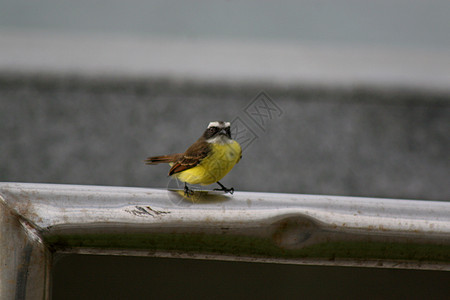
<point x="207" y="160"/>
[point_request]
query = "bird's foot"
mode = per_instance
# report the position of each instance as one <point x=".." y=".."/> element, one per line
<point x="187" y="191"/>
<point x="224" y="189"/>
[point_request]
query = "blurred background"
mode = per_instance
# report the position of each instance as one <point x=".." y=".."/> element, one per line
<point x="328" y="97"/>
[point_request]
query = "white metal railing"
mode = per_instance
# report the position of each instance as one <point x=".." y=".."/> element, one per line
<point x="39" y="220"/>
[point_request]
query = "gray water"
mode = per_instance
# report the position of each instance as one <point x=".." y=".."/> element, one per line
<point x="356" y="142"/>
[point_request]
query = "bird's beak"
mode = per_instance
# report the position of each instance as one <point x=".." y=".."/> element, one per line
<point x="225" y="133"/>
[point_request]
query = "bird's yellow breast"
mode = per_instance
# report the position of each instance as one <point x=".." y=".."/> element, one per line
<point x="214" y="166"/>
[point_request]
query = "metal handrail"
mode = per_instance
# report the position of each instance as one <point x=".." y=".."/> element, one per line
<point x="39" y="220"/>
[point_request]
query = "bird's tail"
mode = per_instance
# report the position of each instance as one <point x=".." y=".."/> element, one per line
<point x="161" y="159"/>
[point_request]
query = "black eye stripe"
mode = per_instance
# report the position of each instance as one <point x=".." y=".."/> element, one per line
<point x="216" y="129"/>
<point x="213" y="131"/>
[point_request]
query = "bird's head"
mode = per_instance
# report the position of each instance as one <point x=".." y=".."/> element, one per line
<point x="217" y="130"/>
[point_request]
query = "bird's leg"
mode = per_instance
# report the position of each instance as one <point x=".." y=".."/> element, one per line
<point x="187" y="190"/>
<point x="223" y="188"/>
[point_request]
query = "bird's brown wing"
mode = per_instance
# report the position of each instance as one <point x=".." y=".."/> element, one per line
<point x="192" y="157"/>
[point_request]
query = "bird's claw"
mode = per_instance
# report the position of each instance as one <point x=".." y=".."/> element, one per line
<point x="188" y="192"/>
<point x="226" y="190"/>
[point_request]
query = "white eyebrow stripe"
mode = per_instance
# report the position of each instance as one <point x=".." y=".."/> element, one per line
<point x="213" y="124"/>
<point x="219" y="124"/>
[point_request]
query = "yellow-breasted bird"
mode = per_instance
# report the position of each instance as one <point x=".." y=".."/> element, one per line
<point x="207" y="161"/>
